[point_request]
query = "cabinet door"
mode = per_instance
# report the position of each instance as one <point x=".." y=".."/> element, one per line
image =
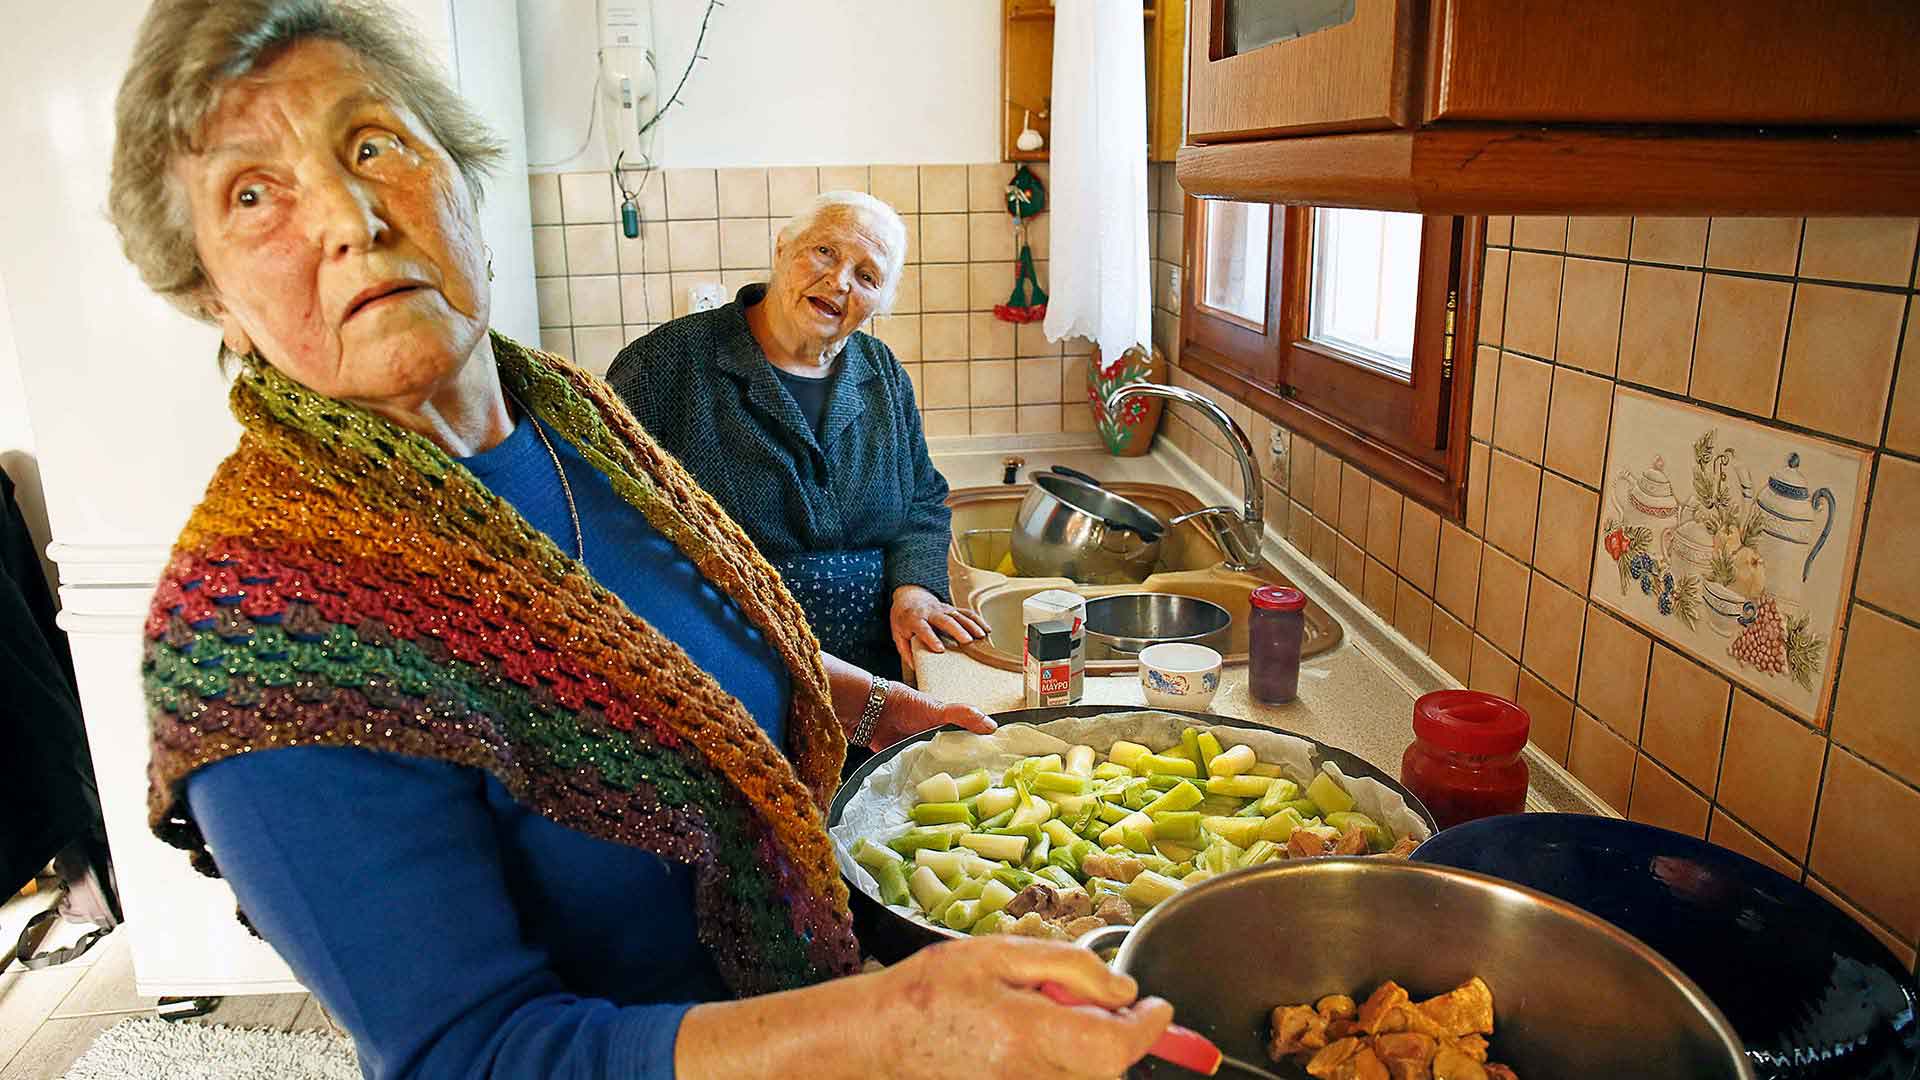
<point x="1660" y="62"/>
<point x="1258" y="68"/>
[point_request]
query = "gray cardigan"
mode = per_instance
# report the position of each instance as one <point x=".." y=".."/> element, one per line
<point x="702" y="387"/>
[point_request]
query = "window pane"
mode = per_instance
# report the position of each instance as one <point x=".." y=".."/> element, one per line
<point x="1234" y="277"/>
<point x="1251" y="24"/>
<point x="1366" y="277"/>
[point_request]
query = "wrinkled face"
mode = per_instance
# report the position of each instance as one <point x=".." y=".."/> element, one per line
<point x="828" y="279"/>
<point x="339" y="237"/>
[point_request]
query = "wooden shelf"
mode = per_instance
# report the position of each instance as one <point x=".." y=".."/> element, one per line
<point x="1533" y="170"/>
<point x="1026" y="65"/>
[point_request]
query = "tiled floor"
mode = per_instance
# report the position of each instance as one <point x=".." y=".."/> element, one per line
<point x="48" y="1018"/>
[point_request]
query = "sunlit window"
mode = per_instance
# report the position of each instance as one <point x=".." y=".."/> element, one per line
<point x="1366" y="277"/>
<point x="1234" y="266"/>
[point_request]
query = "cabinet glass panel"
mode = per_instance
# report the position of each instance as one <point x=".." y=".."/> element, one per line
<point x="1366" y="279"/>
<point x="1251" y="24"/>
<point x="1233" y="263"/>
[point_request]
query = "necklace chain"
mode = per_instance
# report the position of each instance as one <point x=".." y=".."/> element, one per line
<point x="573" y="512"/>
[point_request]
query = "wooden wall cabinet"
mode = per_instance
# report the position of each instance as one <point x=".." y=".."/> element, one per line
<point x="1493" y="106"/>
<point x="1026" y="69"/>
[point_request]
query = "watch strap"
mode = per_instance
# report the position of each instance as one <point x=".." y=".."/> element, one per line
<point x="870" y="715"/>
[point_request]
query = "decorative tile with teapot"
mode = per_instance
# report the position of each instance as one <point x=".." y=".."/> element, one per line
<point x="1732" y="540"/>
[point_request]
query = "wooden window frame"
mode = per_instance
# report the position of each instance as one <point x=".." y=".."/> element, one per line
<point x="1412" y="434"/>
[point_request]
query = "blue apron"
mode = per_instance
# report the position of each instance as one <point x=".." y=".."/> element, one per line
<point x="844" y="594"/>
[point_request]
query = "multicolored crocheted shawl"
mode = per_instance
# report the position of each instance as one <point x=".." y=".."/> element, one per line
<point x="346" y="583"/>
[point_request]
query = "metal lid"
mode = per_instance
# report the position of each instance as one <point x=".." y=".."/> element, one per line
<point x="1278" y="598"/>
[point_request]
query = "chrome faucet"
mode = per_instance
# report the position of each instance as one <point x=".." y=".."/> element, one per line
<point x="1239" y="534"/>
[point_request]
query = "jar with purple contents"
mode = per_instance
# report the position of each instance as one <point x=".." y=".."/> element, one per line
<point x="1276" y="628"/>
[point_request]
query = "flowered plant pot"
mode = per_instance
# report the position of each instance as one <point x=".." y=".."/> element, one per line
<point x="1131" y="433"/>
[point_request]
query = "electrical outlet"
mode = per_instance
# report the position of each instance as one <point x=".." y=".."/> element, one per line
<point x="1277" y="453"/>
<point x="1174" y="280"/>
<point x="705" y="297"/>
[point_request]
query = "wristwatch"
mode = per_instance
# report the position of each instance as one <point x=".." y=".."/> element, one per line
<point x="870" y="716"/>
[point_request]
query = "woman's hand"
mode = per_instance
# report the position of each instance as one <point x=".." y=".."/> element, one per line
<point x="910" y="712"/>
<point x="972" y="1008"/>
<point x="918" y="614"/>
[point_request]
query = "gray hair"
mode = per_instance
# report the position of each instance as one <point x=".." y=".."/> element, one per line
<point x="188" y="51"/>
<point x="892" y="227"/>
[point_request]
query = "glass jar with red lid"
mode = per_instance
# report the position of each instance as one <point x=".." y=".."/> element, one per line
<point x="1465" y="759"/>
<point x="1276" y="631"/>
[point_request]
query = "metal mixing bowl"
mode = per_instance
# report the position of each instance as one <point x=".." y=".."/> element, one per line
<point x="1573" y="996"/>
<point x="1119" y="626"/>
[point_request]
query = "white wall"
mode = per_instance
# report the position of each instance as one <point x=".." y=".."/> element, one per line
<point x="786" y="82"/>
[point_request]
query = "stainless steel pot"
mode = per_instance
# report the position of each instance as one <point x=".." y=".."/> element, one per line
<point x="1074" y="529"/>
<point x="1119" y="626"/>
<point x="1573" y="996"/>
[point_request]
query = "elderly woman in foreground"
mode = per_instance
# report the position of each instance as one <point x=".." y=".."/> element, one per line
<point x="476" y="699"/>
<point x="805" y="429"/>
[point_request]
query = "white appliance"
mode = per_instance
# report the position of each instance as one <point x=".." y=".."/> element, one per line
<point x="129" y="415"/>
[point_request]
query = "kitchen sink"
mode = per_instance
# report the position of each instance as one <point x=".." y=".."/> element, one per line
<point x="1191" y="564"/>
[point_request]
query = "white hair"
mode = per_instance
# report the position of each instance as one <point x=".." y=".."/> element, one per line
<point x="893" y="232"/>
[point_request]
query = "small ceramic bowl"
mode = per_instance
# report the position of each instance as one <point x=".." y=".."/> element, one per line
<point x="1177" y="675"/>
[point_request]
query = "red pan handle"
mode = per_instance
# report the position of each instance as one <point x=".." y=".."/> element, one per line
<point x="1180" y="1046"/>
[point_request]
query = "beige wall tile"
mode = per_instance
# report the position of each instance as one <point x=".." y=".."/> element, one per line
<point x="1500" y="229"/>
<point x="1383" y="524"/>
<point x="1412" y="614"/>
<point x="1730" y="834"/>
<point x="1494" y="672"/>
<point x="1604" y="236"/>
<point x="743" y="193"/>
<point x="1656" y="336"/>
<point x="1355" y="492"/>
<point x="553" y="299"/>
<point x="590" y="250"/>
<point x="947" y="385"/>
<point x="1661" y="800"/>
<point x="999" y="421"/>
<point x="1326" y="546"/>
<point x="732" y="281"/>
<point x="906" y="295"/>
<point x="1680" y="241"/>
<point x="682" y="286"/>
<point x="1577" y="423"/>
<point x="789" y="188"/>
<point x="943" y="189"/>
<point x="1478" y="464"/>
<point x="1457" y="582"/>
<point x="1544" y="233"/>
<point x="586" y="197"/>
<point x="694" y="245"/>
<point x="990" y="236"/>
<point x="1500" y="614"/>
<point x="944" y="337"/>
<point x="557" y="340"/>
<point x="543" y="198"/>
<point x="1326" y="486"/>
<point x="1533" y="303"/>
<point x="595" y="300"/>
<point x="943" y="238"/>
<point x="1351" y="567"/>
<point x="594" y="347"/>
<point x="843" y="178"/>
<point x="1379" y="588"/>
<point x="1451" y="645"/>
<point x="1875" y="714"/>
<point x="945" y="422"/>
<point x="1493" y="297"/>
<point x="1890" y="558"/>
<point x="1686" y="717"/>
<point x="993" y="382"/>
<point x="1486" y="381"/>
<point x="1590" y="304"/>
<point x="898" y="186"/>
<point x="1419" y="544"/>
<point x="1601" y="760"/>
<point x="1762" y="245"/>
<point x="988" y="338"/>
<point x="1551" y="716"/>
<point x="1770" y="772"/>
<point x="1513" y="503"/>
<point x="549" y="251"/>
<point x="1859" y="809"/>
<point x="914" y="246"/>
<point x="1555" y="619"/>
<point x="745" y="243"/>
<point x="989" y="285"/>
<point x="943" y="287"/>
<point x="692" y="193"/>
<point x="1878" y="251"/>
<point x="1038" y="381"/>
<point x="1563" y="543"/>
<point x="1520" y="413"/>
<point x="1903" y="427"/>
<point x="1902" y="950"/>
<point x="1078" y="417"/>
<point x="1030" y="339"/>
<point x="1038" y="419"/>
<point x="643" y="254"/>
<point x="987" y="187"/>
<point x="1736" y="358"/>
<point x="647" y="299"/>
<point x="1301" y="457"/>
<point x="902" y="335"/>
<point x="1839" y="367"/>
<point x="1170" y="234"/>
<point x="1613" y="672"/>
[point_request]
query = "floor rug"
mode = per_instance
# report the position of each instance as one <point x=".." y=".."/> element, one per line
<point x="149" y="1049"/>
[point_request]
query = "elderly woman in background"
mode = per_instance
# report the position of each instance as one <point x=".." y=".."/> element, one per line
<point x="454" y="668"/>
<point x="806" y="430"/>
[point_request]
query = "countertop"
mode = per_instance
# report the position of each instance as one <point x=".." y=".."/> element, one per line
<point x="1358" y="696"/>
